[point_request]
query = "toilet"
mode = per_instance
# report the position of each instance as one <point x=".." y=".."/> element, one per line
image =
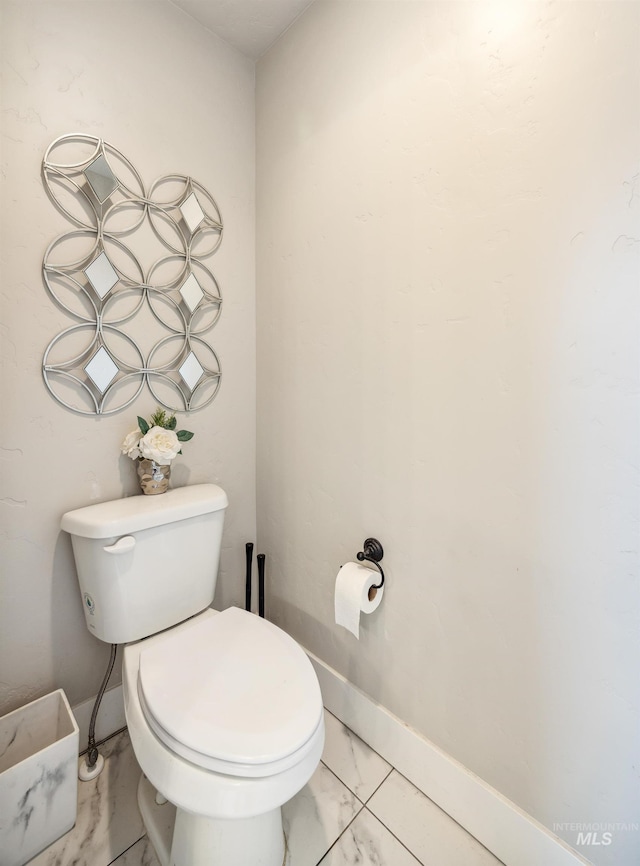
<point x="223" y="708"/>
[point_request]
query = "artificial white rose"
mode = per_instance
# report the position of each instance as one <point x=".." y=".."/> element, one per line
<point x="130" y="445"/>
<point x="160" y="445"/>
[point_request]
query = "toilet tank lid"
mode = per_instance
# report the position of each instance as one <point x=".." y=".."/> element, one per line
<point x="135" y="513"/>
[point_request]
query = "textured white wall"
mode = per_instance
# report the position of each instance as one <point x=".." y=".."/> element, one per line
<point x="448" y="235"/>
<point x="173" y="98"/>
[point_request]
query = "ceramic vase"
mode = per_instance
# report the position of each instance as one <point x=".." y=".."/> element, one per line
<point x="153" y="477"/>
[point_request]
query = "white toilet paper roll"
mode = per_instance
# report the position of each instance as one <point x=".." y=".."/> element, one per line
<point x="355" y="594"/>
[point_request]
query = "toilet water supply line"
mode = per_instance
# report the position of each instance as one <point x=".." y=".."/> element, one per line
<point x="93" y="763"/>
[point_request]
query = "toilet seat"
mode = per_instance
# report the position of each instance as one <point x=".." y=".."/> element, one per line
<point x="232" y="693"/>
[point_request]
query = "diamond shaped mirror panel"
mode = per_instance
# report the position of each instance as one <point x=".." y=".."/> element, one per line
<point x="101" y="179"/>
<point x="101" y="369"/>
<point x="191" y="212"/>
<point x="101" y="275"/>
<point x="191" y="292"/>
<point x="191" y="371"/>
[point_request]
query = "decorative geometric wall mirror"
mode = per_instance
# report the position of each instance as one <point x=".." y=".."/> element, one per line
<point x="132" y="276"/>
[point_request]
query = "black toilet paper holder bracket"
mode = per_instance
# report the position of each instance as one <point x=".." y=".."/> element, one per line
<point x="373" y="553"/>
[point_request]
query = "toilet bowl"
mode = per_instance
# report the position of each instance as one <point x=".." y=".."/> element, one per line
<point x="224" y="709"/>
<point x="226" y="721"/>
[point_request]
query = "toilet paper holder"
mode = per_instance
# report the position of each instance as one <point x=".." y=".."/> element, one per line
<point x="372" y="552"/>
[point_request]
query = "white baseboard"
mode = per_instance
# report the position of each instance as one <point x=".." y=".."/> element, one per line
<point x="110" y="716"/>
<point x="510" y="834"/>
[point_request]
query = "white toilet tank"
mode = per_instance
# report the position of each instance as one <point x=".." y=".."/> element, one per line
<point x="146" y="563"/>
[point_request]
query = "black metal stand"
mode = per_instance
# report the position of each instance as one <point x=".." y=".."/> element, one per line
<point x="261" y="558"/>
<point x="247" y="590"/>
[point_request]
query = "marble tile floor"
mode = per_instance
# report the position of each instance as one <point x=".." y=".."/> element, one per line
<point x="355" y="810"/>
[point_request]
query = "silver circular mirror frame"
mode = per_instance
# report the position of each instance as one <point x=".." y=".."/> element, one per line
<point x="193" y="217"/>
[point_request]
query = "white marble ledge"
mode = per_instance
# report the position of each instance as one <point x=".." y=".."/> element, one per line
<point x="108" y="818"/>
<point x="428" y="832"/>
<point x="316" y="817"/>
<point x="354" y="762"/>
<point x="366" y="842"/>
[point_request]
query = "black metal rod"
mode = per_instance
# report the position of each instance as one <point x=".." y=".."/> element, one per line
<point x="247" y="592"/>
<point x="260" y="559"/>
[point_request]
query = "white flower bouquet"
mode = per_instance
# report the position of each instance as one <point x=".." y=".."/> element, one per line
<point x="154" y="445"/>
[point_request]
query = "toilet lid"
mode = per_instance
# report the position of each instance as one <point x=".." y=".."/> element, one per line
<point x="232" y="687"/>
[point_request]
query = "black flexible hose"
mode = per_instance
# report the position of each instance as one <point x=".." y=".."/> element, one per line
<point x="92" y="751"/>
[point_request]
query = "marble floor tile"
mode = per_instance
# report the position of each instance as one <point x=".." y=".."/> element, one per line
<point x="352" y="760"/>
<point x="367" y="842"/>
<point x="316" y="817"/>
<point x="140" y="854"/>
<point x="108" y="819"/>
<point x="326" y="823"/>
<point x="428" y="832"/>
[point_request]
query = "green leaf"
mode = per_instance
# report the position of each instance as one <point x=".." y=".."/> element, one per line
<point x="171" y="423"/>
<point x="184" y="435"/>
<point x="144" y="427"/>
<point x="158" y="418"/>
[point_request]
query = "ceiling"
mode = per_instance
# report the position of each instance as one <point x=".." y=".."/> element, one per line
<point x="251" y="26"/>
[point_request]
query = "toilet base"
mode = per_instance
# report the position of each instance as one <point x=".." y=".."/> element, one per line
<point x="158" y="820"/>
<point x="183" y="839"/>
